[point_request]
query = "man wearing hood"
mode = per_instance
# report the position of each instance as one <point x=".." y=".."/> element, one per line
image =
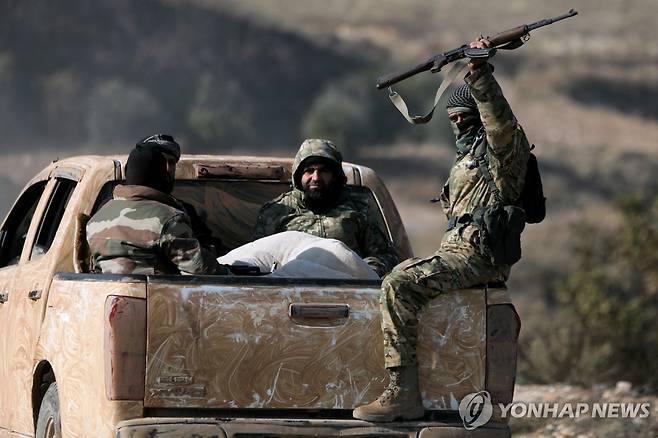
<point x="322" y="205"/>
<point x="144" y="229"/>
<point x="487" y="176"/>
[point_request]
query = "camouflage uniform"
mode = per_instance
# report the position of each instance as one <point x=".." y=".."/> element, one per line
<point x="144" y="231"/>
<point x="461" y="260"/>
<point x="352" y="220"/>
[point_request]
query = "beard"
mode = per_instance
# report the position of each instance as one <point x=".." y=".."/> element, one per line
<point x="320" y="200"/>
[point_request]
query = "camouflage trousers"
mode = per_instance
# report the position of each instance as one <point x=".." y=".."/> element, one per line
<point x="410" y="287"/>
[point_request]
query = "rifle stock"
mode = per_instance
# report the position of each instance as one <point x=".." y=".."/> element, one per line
<point x="507" y="36"/>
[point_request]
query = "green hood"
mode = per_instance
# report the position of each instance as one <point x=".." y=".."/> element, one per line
<point x="316" y="148"/>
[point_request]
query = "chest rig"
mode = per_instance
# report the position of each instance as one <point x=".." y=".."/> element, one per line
<point x="501" y="223"/>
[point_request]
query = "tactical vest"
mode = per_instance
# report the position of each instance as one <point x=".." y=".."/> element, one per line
<point x="532" y="198"/>
<point x="503" y="224"/>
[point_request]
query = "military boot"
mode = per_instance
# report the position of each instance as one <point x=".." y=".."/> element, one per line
<point x="400" y="400"/>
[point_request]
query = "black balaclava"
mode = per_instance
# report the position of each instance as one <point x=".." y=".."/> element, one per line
<point x="160" y="142"/>
<point x="461" y="101"/>
<point x="147" y="167"/>
<point x="323" y="200"/>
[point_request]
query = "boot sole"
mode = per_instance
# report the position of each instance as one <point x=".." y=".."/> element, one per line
<point x="414" y="414"/>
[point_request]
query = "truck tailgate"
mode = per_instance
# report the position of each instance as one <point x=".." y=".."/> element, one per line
<point x="278" y="343"/>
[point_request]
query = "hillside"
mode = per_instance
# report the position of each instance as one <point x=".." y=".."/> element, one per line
<point x="105" y="74"/>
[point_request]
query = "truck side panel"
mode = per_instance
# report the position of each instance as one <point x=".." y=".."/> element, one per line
<point x="452" y="348"/>
<point x="72" y="341"/>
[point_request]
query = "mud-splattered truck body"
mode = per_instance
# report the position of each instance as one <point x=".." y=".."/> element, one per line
<point x="215" y="356"/>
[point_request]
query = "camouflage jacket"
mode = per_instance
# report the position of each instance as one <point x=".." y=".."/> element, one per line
<point x="351" y="220"/>
<point x="507" y="153"/>
<point x="143" y="231"/>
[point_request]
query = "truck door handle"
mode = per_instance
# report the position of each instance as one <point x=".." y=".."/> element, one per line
<point x="4" y="296"/>
<point x="318" y="310"/>
<point x="34" y="294"/>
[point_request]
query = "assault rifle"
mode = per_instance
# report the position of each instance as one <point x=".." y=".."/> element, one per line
<point x="507" y="40"/>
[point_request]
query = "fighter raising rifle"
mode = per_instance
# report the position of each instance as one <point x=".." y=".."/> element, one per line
<point x="487" y="200"/>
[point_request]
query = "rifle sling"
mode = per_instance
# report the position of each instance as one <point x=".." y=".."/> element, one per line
<point x="480" y="154"/>
<point x="454" y="71"/>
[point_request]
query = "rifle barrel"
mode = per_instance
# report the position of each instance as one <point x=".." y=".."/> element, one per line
<point x="509" y="35"/>
<point x="388" y="80"/>
<point x="547" y="21"/>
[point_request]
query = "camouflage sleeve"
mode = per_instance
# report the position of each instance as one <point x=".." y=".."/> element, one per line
<point x="508" y="145"/>
<point x="379" y="252"/>
<point x="178" y="244"/>
<point x="497" y="117"/>
<point x="268" y="221"/>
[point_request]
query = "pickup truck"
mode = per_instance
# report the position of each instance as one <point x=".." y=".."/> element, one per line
<point x="94" y="355"/>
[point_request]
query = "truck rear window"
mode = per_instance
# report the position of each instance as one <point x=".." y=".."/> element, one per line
<point x="230" y="207"/>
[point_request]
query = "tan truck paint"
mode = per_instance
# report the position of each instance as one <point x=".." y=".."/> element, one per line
<point x="272" y="361"/>
<point x="28" y="295"/>
<point x="55" y="329"/>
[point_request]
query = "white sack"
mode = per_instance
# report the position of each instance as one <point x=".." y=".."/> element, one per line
<point x="301" y="255"/>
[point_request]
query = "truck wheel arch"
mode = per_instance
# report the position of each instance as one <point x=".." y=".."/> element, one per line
<point x="43" y="377"/>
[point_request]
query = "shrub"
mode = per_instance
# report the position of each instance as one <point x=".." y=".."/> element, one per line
<point x="604" y="327"/>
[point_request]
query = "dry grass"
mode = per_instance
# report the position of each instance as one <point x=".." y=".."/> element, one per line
<point x="584" y="426"/>
<point x="607" y="41"/>
<point x="614" y="27"/>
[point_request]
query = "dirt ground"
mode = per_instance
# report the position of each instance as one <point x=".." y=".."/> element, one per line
<point x="585" y="426"/>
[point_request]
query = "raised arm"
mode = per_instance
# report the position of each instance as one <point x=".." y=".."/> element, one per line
<point x="496" y="115"/>
<point x="508" y="146"/>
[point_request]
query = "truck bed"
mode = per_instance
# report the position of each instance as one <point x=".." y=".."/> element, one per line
<point x="216" y="342"/>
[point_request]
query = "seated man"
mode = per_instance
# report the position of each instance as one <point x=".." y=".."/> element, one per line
<point x="170" y="149"/>
<point x="320" y="204"/>
<point x="143" y="229"/>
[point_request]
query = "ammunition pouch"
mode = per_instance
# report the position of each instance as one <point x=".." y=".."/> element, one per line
<point x="502" y="226"/>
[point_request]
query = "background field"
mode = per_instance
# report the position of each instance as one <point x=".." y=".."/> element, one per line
<point x="243" y="76"/>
